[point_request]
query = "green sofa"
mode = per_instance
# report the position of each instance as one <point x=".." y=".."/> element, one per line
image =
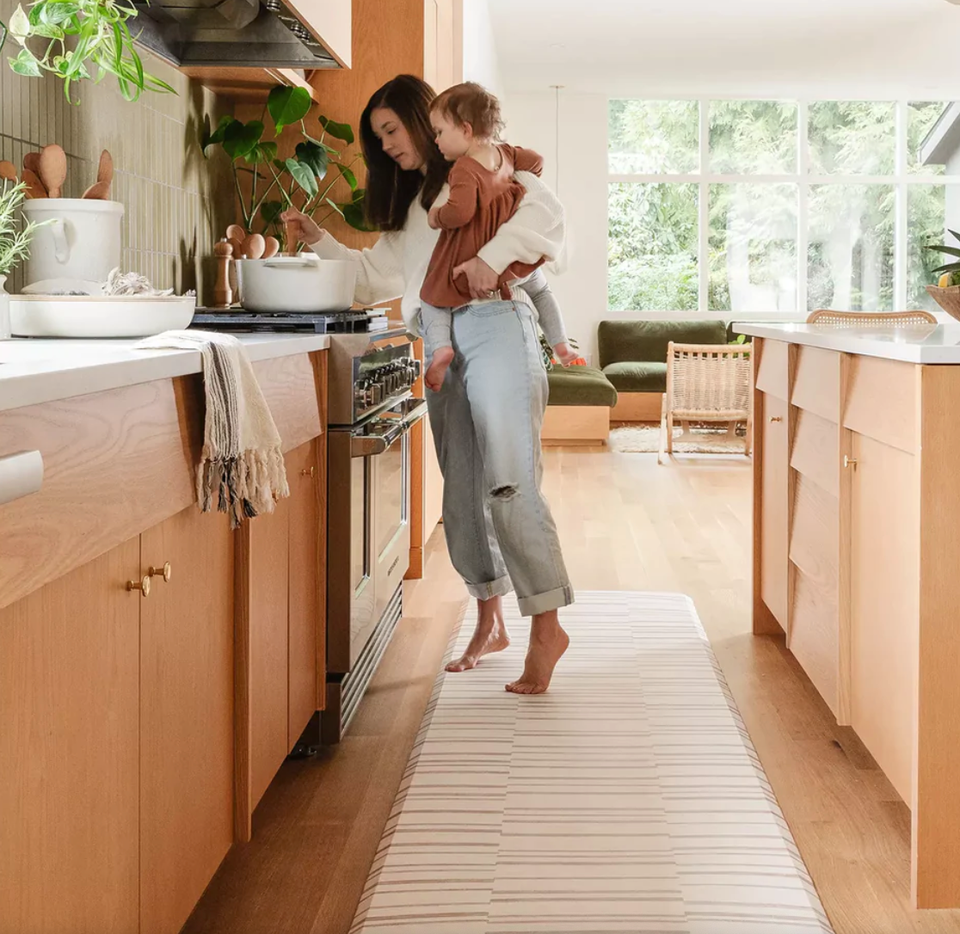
<point x="633" y="356"/>
<point x="578" y="412"/>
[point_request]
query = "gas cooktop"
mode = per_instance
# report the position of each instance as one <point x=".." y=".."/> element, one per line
<point x="340" y="322"/>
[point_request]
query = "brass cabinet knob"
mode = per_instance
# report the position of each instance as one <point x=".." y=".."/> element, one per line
<point x="143" y="585"/>
<point x="776" y="418"/>
<point x="849" y="462"/>
<point x="166" y="572"/>
<point x="308" y="472"/>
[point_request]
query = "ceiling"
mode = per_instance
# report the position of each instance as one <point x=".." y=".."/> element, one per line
<point x="871" y="48"/>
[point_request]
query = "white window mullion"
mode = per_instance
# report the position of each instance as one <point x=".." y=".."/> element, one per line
<point x="900" y="232"/>
<point x="803" y="205"/>
<point x="703" y="209"/>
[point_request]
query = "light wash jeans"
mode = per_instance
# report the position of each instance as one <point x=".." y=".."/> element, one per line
<point x="486" y="422"/>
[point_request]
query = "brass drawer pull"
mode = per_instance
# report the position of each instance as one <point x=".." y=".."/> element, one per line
<point x="849" y="462"/>
<point x="143" y="585"/>
<point x="166" y="572"/>
<point x="776" y="418"/>
<point x="308" y="472"/>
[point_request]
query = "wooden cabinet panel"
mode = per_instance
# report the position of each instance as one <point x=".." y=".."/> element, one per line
<point x="186" y="715"/>
<point x="883" y="401"/>
<point x="68" y="752"/>
<point x="885" y="529"/>
<point x="816" y="386"/>
<point x="813" y="632"/>
<point x="773" y="377"/>
<point x="305" y="621"/>
<point x="815" y="452"/>
<point x="330" y="22"/>
<point x="774" y="518"/>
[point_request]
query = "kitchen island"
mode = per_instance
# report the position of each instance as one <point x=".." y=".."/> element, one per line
<point x="156" y="668"/>
<point x="857" y="551"/>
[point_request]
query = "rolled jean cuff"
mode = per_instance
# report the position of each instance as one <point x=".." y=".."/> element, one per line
<point x="545" y="602"/>
<point x="498" y="588"/>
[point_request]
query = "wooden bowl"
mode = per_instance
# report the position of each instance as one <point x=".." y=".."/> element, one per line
<point x="948" y="299"/>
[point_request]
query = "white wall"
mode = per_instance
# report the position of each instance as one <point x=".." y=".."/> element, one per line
<point x="480" y="60"/>
<point x="575" y="166"/>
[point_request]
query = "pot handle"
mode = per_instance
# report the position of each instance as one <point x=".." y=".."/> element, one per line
<point x="302" y="264"/>
<point x="61" y="248"/>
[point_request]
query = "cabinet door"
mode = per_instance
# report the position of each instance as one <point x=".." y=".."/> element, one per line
<point x="774" y="505"/>
<point x="885" y="613"/>
<point x="69" y="721"/>
<point x="305" y="621"/>
<point x="269" y="644"/>
<point x="186" y="715"/>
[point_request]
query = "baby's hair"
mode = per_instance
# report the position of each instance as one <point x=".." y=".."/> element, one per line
<point x="471" y="103"/>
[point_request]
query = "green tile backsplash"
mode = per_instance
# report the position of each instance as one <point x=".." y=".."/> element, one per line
<point x="176" y="203"/>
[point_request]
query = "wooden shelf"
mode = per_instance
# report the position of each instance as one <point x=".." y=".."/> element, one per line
<point x="248" y="85"/>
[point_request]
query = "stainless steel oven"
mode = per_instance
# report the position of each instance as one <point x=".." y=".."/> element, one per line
<point x="368" y="499"/>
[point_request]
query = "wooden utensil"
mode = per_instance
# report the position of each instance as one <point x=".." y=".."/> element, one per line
<point x="53" y="169"/>
<point x="35" y="187"/>
<point x="237" y="247"/>
<point x="290" y="238"/>
<point x="105" y="168"/>
<point x="254" y="246"/>
<point x="272" y="247"/>
<point x="31" y="161"/>
<point x="8" y="171"/>
<point x="98" y="191"/>
<point x="236" y="232"/>
<point x="222" y="293"/>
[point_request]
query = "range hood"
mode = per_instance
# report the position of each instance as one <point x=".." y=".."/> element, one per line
<point x="236" y="33"/>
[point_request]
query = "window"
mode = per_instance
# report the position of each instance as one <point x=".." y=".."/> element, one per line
<point x="778" y="207"/>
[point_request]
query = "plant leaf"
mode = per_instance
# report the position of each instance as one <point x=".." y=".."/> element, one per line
<point x="949" y="250"/>
<point x="303" y="175"/>
<point x="263" y="152"/>
<point x="313" y="155"/>
<point x="288" y="105"/>
<point x="335" y="206"/>
<point x="240" y="139"/>
<point x="211" y="139"/>
<point x="354" y="216"/>
<point x="348" y="175"/>
<point x="270" y="211"/>
<point x="338" y="130"/>
<point x="26" y="64"/>
<point x="57" y="13"/>
<point x="950" y="267"/>
<point x="19" y="26"/>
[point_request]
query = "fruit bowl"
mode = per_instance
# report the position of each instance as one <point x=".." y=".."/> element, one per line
<point x="948" y="299"/>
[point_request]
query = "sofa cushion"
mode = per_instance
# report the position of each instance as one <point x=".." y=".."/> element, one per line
<point x="580" y="385"/>
<point x="646" y="341"/>
<point x="637" y="377"/>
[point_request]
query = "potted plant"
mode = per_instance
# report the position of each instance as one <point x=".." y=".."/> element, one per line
<point x="80" y="40"/>
<point x="267" y="185"/>
<point x="946" y="293"/>
<point x="14" y="242"/>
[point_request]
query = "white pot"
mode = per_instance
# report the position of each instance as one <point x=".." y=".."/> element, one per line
<point x="81" y="242"/>
<point x="5" y="331"/>
<point x="302" y="284"/>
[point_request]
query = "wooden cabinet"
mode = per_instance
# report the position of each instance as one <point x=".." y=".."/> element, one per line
<point x="774" y="534"/>
<point x="186" y="714"/>
<point x="69" y="769"/>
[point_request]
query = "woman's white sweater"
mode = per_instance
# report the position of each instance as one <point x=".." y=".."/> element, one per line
<point x="395" y="266"/>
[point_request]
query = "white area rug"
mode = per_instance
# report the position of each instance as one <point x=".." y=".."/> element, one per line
<point x="645" y="439"/>
<point x="627" y="799"/>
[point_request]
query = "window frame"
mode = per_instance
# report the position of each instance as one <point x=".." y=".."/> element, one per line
<point x="901" y="180"/>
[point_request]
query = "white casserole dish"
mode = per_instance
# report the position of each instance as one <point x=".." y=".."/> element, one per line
<point x="302" y="284"/>
<point x="99" y="315"/>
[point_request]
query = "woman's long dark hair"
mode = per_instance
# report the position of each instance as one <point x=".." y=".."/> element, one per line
<point x="390" y="189"/>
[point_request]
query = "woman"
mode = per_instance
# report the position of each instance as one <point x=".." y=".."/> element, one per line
<point x="486" y="417"/>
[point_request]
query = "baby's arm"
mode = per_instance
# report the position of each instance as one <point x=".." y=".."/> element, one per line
<point x="462" y="204"/>
<point x="524" y="160"/>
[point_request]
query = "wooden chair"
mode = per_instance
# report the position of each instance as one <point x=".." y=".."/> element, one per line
<point x="707" y="383"/>
<point x="870" y="319"/>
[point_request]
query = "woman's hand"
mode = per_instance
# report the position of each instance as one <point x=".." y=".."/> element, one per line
<point x="303" y="228"/>
<point x="433" y="218"/>
<point x="481" y="279"/>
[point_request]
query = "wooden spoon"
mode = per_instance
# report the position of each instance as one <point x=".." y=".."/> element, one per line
<point x="105" y="168"/>
<point x="237" y="247"/>
<point x="31" y="161"/>
<point x="53" y="169"/>
<point x="254" y="246"/>
<point x="98" y="191"/>
<point x="236" y="232"/>
<point x="35" y="187"/>
<point x="8" y="171"/>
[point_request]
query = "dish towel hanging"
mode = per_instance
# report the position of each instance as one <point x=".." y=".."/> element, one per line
<point x="242" y="460"/>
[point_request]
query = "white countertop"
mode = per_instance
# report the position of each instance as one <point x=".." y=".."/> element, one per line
<point x="928" y="344"/>
<point x="34" y="371"/>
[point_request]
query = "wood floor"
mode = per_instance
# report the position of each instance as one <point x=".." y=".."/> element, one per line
<point x="626" y="524"/>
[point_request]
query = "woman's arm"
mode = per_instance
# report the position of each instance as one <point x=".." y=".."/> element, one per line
<point x="379" y="267"/>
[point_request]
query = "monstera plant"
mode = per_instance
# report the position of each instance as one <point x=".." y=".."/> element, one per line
<point x="267" y="186"/>
<point x="78" y="40"/>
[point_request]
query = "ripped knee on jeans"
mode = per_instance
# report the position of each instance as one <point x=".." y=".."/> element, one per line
<point x="504" y="491"/>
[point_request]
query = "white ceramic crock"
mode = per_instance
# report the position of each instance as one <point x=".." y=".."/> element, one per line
<point x="81" y="242"/>
<point x="303" y="284"/>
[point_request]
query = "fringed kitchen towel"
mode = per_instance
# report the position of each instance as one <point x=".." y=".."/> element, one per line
<point x="242" y="460"/>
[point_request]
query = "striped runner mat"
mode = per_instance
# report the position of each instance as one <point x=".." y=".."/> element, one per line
<point x="629" y="798"/>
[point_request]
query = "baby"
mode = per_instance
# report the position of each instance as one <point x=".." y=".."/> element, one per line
<point x="483" y="195"/>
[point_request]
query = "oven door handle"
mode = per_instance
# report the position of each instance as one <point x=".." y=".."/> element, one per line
<point x="372" y="445"/>
<point x="416" y="414"/>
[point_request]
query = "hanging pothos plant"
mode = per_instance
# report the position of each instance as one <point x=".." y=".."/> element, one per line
<point x="304" y="181"/>
<point x="80" y="40"/>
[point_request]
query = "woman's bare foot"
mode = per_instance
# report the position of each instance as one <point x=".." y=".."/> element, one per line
<point x="490" y="635"/>
<point x="439" y="364"/>
<point x="548" y="642"/>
